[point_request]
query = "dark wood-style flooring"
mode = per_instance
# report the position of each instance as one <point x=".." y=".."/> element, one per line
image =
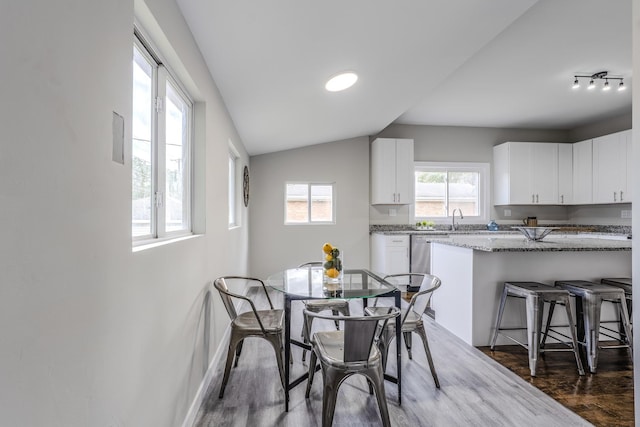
<point x="604" y="398"/>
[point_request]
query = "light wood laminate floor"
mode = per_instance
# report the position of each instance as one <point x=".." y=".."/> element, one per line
<point x="475" y="390"/>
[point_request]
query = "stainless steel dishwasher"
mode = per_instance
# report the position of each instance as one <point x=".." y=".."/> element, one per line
<point x="420" y="262"/>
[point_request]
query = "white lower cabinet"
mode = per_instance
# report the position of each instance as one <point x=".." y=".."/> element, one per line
<point x="389" y="253"/>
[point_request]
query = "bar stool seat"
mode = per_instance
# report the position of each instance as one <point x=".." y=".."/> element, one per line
<point x="536" y="294"/>
<point x="589" y="298"/>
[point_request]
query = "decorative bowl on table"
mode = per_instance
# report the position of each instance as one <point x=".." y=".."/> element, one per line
<point x="535" y="233"/>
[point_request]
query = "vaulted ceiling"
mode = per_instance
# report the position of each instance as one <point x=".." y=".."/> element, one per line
<point x="489" y="63"/>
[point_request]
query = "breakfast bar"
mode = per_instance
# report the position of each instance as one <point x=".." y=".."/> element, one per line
<point x="473" y="269"/>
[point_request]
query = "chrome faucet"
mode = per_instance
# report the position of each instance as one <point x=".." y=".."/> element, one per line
<point x="454" y="226"/>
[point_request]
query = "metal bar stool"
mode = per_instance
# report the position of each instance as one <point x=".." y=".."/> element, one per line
<point x="589" y="297"/>
<point x="536" y="294"/>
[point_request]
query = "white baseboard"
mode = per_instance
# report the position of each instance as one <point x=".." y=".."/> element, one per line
<point x="198" y="399"/>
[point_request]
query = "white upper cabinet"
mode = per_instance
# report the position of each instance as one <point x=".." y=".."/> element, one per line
<point x="610" y="157"/>
<point x="525" y="173"/>
<point x="565" y="174"/>
<point x="392" y="171"/>
<point x="582" y="172"/>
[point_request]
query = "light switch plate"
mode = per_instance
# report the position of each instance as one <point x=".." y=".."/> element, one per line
<point x="393" y="212"/>
<point x="507" y="212"/>
<point x="625" y="213"/>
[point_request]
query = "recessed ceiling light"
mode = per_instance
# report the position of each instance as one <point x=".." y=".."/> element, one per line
<point x="341" y="81"/>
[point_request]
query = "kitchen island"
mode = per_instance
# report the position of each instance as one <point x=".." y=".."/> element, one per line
<point x="473" y="269"/>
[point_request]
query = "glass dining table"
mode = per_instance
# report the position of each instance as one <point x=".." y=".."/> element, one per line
<point x="306" y="283"/>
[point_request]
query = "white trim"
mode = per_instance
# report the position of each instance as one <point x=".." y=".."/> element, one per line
<point x="198" y="399"/>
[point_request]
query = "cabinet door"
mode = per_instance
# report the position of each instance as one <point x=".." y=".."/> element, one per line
<point x="404" y="171"/>
<point x="389" y="253"/>
<point x="383" y="171"/>
<point x="582" y="172"/>
<point x="544" y="164"/>
<point x="609" y="168"/>
<point x="626" y="197"/>
<point x="565" y="174"/>
<point x="397" y="259"/>
<point x="521" y="173"/>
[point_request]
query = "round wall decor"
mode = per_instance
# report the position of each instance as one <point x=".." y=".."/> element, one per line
<point x="245" y="185"/>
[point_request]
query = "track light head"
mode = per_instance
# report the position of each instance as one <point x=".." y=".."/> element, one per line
<point x="576" y="84"/>
<point x="621" y="86"/>
<point x="606" y="85"/>
<point x="592" y="85"/>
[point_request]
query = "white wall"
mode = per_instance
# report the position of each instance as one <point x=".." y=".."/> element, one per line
<point x="92" y="334"/>
<point x="275" y="246"/>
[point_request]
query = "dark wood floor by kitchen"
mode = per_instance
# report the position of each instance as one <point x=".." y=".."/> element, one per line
<point x="604" y="398"/>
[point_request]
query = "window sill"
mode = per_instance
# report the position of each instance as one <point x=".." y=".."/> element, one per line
<point x="157" y="243"/>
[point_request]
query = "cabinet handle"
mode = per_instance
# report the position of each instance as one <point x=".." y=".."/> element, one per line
<point x="398" y="197"/>
<point x="537" y="200"/>
<point x="394" y="197"/>
<point x="615" y="193"/>
<point x="562" y="198"/>
<point x="533" y="198"/>
<point x="620" y="195"/>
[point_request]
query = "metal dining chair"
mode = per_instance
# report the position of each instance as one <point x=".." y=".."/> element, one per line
<point x="267" y="324"/>
<point x="411" y="320"/>
<point x="319" y="305"/>
<point x="350" y="351"/>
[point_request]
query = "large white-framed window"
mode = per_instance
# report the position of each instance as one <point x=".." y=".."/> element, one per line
<point x="233" y="187"/>
<point x="162" y="132"/>
<point x="441" y="187"/>
<point x="309" y="203"/>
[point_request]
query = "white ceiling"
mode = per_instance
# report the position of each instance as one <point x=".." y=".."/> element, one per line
<point x="489" y="63"/>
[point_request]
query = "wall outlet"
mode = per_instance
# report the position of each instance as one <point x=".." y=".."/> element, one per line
<point x="507" y="212"/>
<point x="393" y="212"/>
<point x="625" y="213"/>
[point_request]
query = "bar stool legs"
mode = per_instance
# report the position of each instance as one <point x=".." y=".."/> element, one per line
<point x="589" y="297"/>
<point x="535" y="295"/>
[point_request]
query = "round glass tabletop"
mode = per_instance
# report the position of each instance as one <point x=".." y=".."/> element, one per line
<point x="307" y="283"/>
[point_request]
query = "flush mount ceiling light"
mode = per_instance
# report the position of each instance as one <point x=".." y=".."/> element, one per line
<point x="601" y="75"/>
<point x="341" y="81"/>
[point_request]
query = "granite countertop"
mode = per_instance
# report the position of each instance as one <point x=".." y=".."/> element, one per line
<point x="516" y="243"/>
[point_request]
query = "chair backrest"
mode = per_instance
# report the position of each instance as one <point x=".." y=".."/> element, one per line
<point x="310" y="264"/>
<point x="360" y="332"/>
<point x="221" y="285"/>
<point x="420" y="300"/>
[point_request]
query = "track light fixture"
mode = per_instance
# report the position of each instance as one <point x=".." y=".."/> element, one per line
<point x="601" y="75"/>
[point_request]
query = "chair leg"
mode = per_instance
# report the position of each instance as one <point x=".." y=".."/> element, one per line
<point x="576" y="351"/>
<point x="331" y="383"/>
<point x="238" y="351"/>
<point x="552" y="306"/>
<point x="276" y="343"/>
<point x="306" y="332"/>
<point x="407" y="343"/>
<point x="375" y="376"/>
<point x="312" y="372"/>
<point x="592" y="306"/>
<point x="233" y="342"/>
<point x="335" y="313"/>
<point x="503" y="300"/>
<point x="423" y="335"/>
<point x="534" y="325"/>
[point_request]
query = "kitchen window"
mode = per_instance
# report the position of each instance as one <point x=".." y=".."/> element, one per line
<point x="162" y="129"/>
<point x="309" y="203"/>
<point x="442" y="187"/>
